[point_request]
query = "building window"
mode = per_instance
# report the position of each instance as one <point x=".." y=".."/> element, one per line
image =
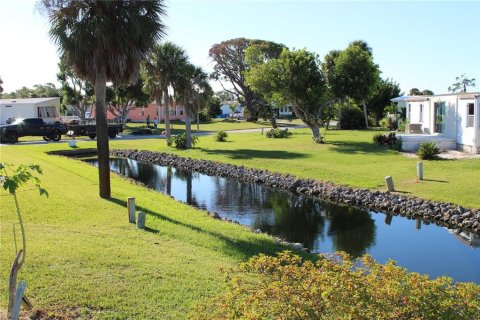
<point x="470" y="114"/>
<point x="181" y="112"/>
<point x="421" y="113"/>
<point x="408" y="112"/>
<point x="142" y="113"/>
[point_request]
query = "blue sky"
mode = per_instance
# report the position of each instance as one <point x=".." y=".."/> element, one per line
<point x="418" y="44"/>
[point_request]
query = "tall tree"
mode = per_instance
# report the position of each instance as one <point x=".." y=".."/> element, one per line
<point x="294" y="78"/>
<point x="328" y="68"/>
<point x="193" y="90"/>
<point x="161" y="71"/>
<point x="104" y="41"/>
<point x="427" y="92"/>
<point x="357" y="74"/>
<point x="76" y="92"/>
<point x="415" y="92"/>
<point x="1" y="87"/>
<point x="461" y="83"/>
<point x="230" y="66"/>
<point x="125" y="98"/>
<point x="380" y="98"/>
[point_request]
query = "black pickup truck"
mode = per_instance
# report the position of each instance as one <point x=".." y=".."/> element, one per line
<point x="88" y="128"/>
<point x="32" y="127"/>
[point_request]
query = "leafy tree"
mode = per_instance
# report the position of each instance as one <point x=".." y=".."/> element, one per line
<point x="161" y="71"/>
<point x="328" y="68"/>
<point x="384" y="91"/>
<point x="75" y="91"/>
<point x="357" y="75"/>
<point x="363" y="46"/>
<point x="104" y="41"/>
<point x="230" y="65"/>
<point x="295" y="78"/>
<point x="415" y="92"/>
<point x="461" y="83"/>
<point x="125" y="98"/>
<point x="12" y="179"/>
<point x="1" y="88"/>
<point x="214" y="106"/>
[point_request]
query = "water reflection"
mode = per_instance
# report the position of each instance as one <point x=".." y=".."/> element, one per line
<point x="322" y="227"/>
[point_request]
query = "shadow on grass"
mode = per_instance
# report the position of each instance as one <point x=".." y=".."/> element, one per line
<point x="433" y="180"/>
<point x="251" y="154"/>
<point x="233" y="247"/>
<point x="355" y="147"/>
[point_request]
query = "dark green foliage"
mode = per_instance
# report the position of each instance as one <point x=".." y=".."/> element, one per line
<point x="278" y="133"/>
<point x="352" y="118"/>
<point x="389" y="140"/>
<point x="428" y="151"/>
<point x="389" y="123"/>
<point x="179" y="141"/>
<point x="221" y="136"/>
<point x="380" y="99"/>
<point x="142" y="131"/>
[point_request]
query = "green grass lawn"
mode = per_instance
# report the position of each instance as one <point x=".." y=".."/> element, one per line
<point x="213" y="125"/>
<point x="348" y="158"/>
<point x="85" y="260"/>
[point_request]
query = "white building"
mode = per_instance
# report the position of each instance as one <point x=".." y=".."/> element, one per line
<point x="46" y="108"/>
<point x="450" y="120"/>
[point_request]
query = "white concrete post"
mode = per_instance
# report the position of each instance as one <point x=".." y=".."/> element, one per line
<point x="262" y="131"/>
<point x="420" y="170"/>
<point x="131" y="209"/>
<point x="141" y="220"/>
<point x="389" y="182"/>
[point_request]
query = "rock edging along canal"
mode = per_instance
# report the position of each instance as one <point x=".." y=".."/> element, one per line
<point x="449" y="215"/>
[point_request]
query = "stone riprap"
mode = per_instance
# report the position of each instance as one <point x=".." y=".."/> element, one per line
<point x="445" y="214"/>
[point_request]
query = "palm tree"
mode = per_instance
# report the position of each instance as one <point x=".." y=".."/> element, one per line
<point x="104" y="41"/>
<point x="193" y="90"/>
<point x="161" y="71"/>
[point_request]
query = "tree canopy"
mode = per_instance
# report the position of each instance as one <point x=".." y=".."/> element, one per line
<point x="230" y="65"/>
<point x="295" y="78"/>
<point x="461" y="83"/>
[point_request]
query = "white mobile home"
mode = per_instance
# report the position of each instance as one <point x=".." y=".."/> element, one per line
<point x="46" y="108"/>
<point x="450" y="120"/>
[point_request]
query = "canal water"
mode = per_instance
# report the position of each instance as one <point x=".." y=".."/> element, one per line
<point x="320" y="226"/>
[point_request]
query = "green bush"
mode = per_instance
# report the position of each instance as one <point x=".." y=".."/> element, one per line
<point x="389" y="123"/>
<point x="179" y="141"/>
<point x="401" y="127"/>
<point x="428" y="151"/>
<point x="352" y="118"/>
<point x="287" y="287"/>
<point x="221" y="136"/>
<point x="142" y="131"/>
<point x="389" y="140"/>
<point x="278" y="133"/>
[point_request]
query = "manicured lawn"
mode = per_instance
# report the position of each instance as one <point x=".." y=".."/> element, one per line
<point x="213" y="125"/>
<point x="85" y="260"/>
<point x="348" y="158"/>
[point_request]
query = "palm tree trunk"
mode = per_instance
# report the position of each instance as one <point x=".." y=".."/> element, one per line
<point x="102" y="137"/>
<point x="167" y="113"/>
<point x="365" y="113"/>
<point x="339" y="123"/>
<point x="188" y="124"/>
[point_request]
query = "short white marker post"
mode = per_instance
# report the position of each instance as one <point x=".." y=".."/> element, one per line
<point x="420" y="170"/>
<point x="389" y="182"/>
<point x="131" y="209"/>
<point x="141" y="220"/>
<point x="262" y="131"/>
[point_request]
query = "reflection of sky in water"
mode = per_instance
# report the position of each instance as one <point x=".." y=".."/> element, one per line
<point x="320" y="226"/>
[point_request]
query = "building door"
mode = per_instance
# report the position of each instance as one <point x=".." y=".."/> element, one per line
<point x="439" y="117"/>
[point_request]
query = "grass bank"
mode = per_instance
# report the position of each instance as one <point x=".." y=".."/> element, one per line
<point x="348" y="158"/>
<point x="84" y="260"/>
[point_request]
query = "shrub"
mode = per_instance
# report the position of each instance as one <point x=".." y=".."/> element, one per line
<point x="278" y="133"/>
<point x="180" y="141"/>
<point x="352" y="118"/>
<point x="428" y="151"/>
<point x="389" y="123"/>
<point x="389" y="140"/>
<point x="142" y="131"/>
<point x="221" y="136"/>
<point x="401" y="127"/>
<point x="287" y="287"/>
